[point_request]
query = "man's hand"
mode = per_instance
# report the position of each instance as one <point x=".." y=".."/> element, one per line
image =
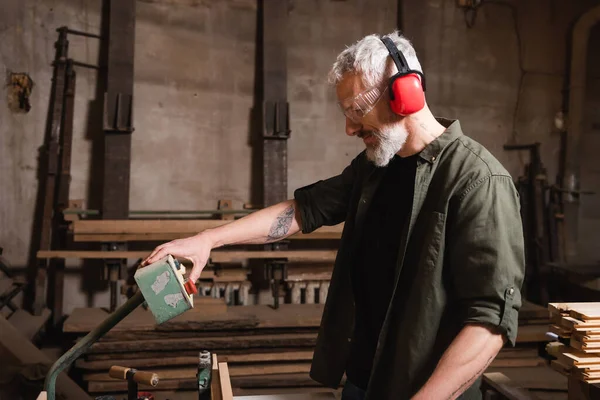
<point x="265" y="226"/>
<point x="195" y="248"/>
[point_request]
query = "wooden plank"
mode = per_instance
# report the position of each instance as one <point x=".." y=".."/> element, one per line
<point x="320" y="272"/>
<point x="579" y="310"/>
<point x="261" y="381"/>
<point x="579" y="358"/>
<point x="216" y="256"/>
<point x="532" y="333"/>
<point x="83" y="320"/>
<point x="579" y="325"/>
<point x="234" y="370"/>
<point x="518" y="352"/>
<point x="225" y="381"/>
<point x="281" y="356"/>
<point x="166" y="237"/>
<point x="240" y="342"/>
<point x="28" y="324"/>
<point x="134" y="355"/>
<point x="17" y="350"/>
<point x="518" y="362"/>
<point x="144" y="230"/>
<point x="534" y="378"/>
<point x="120" y="336"/>
<point x="215" y="383"/>
<point x="503" y="385"/>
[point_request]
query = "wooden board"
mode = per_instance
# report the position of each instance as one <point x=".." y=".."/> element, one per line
<point x="16" y="350"/>
<point x="231" y="359"/>
<point x="222" y="256"/>
<point x="579" y="358"/>
<point x="504" y="386"/>
<point x="225" y="381"/>
<point x="143" y="230"/>
<point x="538" y="378"/>
<point x="309" y="272"/>
<point x="579" y="325"/>
<point x="28" y="324"/>
<point x="518" y="362"/>
<point x="240" y="342"/>
<point x="215" y="382"/>
<point x="234" y="370"/>
<point x="217" y="343"/>
<point x="518" y="352"/>
<point x="582" y="311"/>
<point x="532" y="333"/>
<point x="133" y="355"/>
<point x="262" y="381"/>
<point x="83" y="320"/>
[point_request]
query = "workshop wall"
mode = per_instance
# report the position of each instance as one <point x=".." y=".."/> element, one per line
<point x="194" y="81"/>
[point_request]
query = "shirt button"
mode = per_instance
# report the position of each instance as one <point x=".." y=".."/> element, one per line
<point x="511" y="291"/>
<point x="432" y="158"/>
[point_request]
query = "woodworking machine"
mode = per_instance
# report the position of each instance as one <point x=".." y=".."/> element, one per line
<point x="163" y="288"/>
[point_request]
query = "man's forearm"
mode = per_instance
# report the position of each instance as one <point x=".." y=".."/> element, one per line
<point x="464" y="361"/>
<point x="264" y="226"/>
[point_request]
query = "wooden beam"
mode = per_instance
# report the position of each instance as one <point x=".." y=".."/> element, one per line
<point x="294" y="316"/>
<point x="215" y="383"/>
<point x="216" y="256"/>
<point x="279" y="356"/>
<point x="240" y="342"/>
<point x="236" y="370"/>
<point x="502" y="384"/>
<point x="225" y="382"/>
<point x="156" y="230"/>
<point x="118" y="106"/>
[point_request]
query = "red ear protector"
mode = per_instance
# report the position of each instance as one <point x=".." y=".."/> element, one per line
<point x="407" y="87"/>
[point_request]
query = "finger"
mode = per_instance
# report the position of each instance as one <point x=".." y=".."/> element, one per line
<point x="158" y="255"/>
<point x="197" y="268"/>
<point x="154" y="256"/>
<point x="146" y="260"/>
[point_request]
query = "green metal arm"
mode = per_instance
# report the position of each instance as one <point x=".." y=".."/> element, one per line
<point x="84" y="344"/>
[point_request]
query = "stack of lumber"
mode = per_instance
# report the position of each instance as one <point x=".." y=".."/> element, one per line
<point x="578" y="352"/>
<point x="263" y="347"/>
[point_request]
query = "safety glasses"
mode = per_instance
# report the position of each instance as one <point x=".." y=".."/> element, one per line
<point x="355" y="108"/>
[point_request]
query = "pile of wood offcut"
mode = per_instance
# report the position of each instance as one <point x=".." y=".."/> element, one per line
<point x="578" y="351"/>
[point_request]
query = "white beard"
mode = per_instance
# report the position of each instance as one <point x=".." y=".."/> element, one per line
<point x="390" y="140"/>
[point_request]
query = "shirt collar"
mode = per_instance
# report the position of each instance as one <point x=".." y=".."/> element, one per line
<point x="453" y="130"/>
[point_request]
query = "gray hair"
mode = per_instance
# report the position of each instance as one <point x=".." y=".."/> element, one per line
<point x="369" y="57"/>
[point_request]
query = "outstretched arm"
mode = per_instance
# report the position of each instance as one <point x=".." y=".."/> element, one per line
<point x="267" y="225"/>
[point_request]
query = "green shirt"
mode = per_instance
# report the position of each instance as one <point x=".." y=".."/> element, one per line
<point x="464" y="239"/>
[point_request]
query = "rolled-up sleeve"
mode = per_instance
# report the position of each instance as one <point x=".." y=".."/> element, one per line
<point x="326" y="202"/>
<point x="486" y="253"/>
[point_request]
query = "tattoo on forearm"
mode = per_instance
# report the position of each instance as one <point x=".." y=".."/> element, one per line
<point x="468" y="383"/>
<point x="282" y="224"/>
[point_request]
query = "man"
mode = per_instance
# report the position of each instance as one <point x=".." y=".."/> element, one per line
<point x="426" y="286"/>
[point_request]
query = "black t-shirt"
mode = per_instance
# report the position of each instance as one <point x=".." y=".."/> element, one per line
<point x="375" y="267"/>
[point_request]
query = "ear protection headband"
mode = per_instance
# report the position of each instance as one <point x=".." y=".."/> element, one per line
<point x="407" y="87"/>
